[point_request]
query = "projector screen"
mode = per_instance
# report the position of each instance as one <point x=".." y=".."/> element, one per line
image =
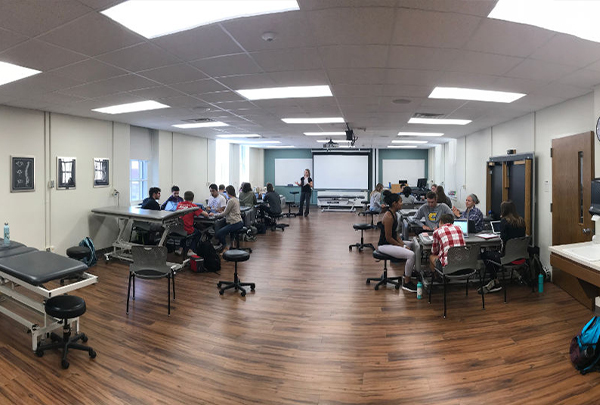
<point x="341" y="171"/>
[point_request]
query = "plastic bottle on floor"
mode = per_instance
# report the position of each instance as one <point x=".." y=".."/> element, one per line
<point x="419" y="290"/>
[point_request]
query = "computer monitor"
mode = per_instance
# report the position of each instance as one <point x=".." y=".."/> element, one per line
<point x="402" y="181"/>
<point x="422" y="183"/>
<point x="463" y="224"/>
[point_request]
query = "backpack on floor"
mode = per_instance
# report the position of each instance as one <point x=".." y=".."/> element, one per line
<point x="584" y="349"/>
<point x="91" y="259"/>
<point x="212" y="261"/>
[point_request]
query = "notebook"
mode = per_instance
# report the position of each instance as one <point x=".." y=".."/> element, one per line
<point x="495" y="227"/>
<point x="463" y="224"/>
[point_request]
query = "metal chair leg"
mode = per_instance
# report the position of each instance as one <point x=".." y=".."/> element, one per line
<point x="445" y="283"/>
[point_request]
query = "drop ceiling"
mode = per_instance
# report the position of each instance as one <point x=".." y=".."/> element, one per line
<point x="370" y="52"/>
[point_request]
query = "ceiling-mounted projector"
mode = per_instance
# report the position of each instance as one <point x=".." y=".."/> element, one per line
<point x="330" y="144"/>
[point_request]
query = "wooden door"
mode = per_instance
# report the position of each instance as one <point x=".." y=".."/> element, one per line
<point x="572" y="174"/>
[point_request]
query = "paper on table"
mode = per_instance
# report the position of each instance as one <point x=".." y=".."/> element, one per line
<point x="487" y="235"/>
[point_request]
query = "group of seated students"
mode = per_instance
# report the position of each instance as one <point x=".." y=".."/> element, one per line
<point x="440" y="219"/>
<point x="221" y="204"/>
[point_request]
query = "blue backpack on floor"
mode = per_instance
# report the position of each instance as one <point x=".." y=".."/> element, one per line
<point x="584" y="349"/>
<point x="91" y="259"/>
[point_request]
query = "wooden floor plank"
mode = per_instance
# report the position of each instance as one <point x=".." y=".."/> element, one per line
<point x="312" y="333"/>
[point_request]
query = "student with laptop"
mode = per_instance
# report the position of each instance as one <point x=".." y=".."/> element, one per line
<point x="511" y="226"/>
<point x="431" y="212"/>
<point x="174" y="199"/>
<point x="445" y="237"/>
<point x="216" y="202"/>
<point x="471" y="213"/>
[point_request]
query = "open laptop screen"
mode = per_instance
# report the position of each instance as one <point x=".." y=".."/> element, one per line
<point x="464" y="226"/>
<point x="496" y="227"/>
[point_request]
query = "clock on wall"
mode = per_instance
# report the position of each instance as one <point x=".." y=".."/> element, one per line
<point x="598" y="129"/>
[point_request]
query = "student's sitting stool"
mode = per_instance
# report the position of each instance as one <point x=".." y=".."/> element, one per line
<point x="275" y="225"/>
<point x="371" y="213"/>
<point x="235" y="239"/>
<point x="365" y="204"/>
<point x="235" y="255"/>
<point x="362" y="244"/>
<point x="384" y="279"/>
<point x="65" y="307"/>
<point x="77" y="253"/>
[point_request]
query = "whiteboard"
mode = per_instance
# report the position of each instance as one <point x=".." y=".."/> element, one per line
<point x="341" y="172"/>
<point x="402" y="169"/>
<point x="289" y="171"/>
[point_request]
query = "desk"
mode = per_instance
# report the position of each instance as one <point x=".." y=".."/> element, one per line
<point x="23" y="268"/>
<point x="122" y="246"/>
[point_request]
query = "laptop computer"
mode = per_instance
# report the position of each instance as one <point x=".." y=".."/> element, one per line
<point x="495" y="227"/>
<point x="464" y="226"/>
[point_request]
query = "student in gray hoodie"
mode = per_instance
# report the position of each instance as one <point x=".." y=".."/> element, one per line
<point x="431" y="212"/>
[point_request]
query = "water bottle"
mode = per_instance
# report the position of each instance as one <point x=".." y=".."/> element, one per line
<point x="419" y="290"/>
<point x="6" y="234"/>
<point x="540" y="283"/>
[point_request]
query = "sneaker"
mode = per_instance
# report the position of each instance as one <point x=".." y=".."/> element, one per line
<point x="190" y="253"/>
<point x="492" y="286"/>
<point x="218" y="248"/>
<point x="178" y="252"/>
<point x="410" y="287"/>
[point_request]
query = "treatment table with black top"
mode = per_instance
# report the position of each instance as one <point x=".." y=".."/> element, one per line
<point x="25" y="273"/>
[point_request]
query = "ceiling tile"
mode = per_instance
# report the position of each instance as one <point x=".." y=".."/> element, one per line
<point x="517" y="85"/>
<point x="220" y="96"/>
<point x="354" y="56"/>
<point x="356" y="90"/>
<point x="9" y="38"/>
<point x="89" y="70"/>
<point x="415" y="57"/>
<point x="40" y="55"/>
<point x="470" y="7"/>
<point x="247" y="81"/>
<point x="538" y="70"/>
<point x="100" y="4"/>
<point x="405" y="91"/>
<point x="227" y="65"/>
<point x="299" y="78"/>
<point x="173" y="74"/>
<point x="582" y="78"/>
<point x="288" y="59"/>
<point x="199" y="43"/>
<point x="446" y="30"/>
<point x="485" y="63"/>
<point x="468" y="80"/>
<point x="320" y="4"/>
<point x="413" y="77"/>
<point x="154" y="93"/>
<point x="140" y="57"/>
<point x="199" y="86"/>
<point x="110" y="86"/>
<point x="568" y="50"/>
<point x="37" y="85"/>
<point x="357" y="76"/>
<point x="563" y="91"/>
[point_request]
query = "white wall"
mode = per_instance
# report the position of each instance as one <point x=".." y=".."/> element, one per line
<point x="516" y="134"/>
<point x="478" y="149"/>
<point x="190" y="166"/>
<point x="257" y="167"/>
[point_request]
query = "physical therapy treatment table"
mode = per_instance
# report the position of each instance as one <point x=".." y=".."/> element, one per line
<point x="23" y="273"/>
<point x="122" y="246"/>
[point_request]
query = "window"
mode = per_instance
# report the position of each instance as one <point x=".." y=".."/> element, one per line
<point x="244" y="163"/>
<point x="222" y="162"/>
<point x="138" y="180"/>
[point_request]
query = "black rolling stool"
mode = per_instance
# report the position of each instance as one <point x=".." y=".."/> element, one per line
<point x="371" y="213"/>
<point x="235" y="256"/>
<point x="362" y="244"/>
<point x="77" y="253"/>
<point x="384" y="279"/>
<point x="365" y="204"/>
<point x="65" y="307"/>
<point x="276" y="225"/>
<point x="235" y="241"/>
<point x="290" y="204"/>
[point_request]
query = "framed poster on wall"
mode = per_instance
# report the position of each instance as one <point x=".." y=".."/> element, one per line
<point x="101" y="167"/>
<point x="65" y="173"/>
<point x="22" y="174"/>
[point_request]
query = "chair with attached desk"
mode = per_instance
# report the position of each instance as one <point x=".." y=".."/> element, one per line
<point x="463" y="263"/>
<point x="516" y="255"/>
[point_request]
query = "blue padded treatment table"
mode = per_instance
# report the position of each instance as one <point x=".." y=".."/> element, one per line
<point x="39" y="267"/>
<point x="15" y="248"/>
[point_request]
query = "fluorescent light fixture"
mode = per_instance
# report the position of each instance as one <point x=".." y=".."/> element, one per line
<point x="336" y="141"/>
<point x="254" y="142"/>
<point x="155" y="18"/>
<point x="327" y="120"/>
<point x="202" y="125"/>
<point x="279" y="147"/>
<point x="573" y="17"/>
<point x="325" y="133"/>
<point x="11" y="73"/>
<point x="414" y="142"/>
<point x="420" y="133"/>
<point x="402" y="147"/>
<point x="286" y="92"/>
<point x="239" y="136"/>
<point x="438" y="121"/>
<point x="131" y="107"/>
<point x="457" y="93"/>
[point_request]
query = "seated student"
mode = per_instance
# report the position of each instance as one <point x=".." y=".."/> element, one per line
<point x="247" y="196"/>
<point x="392" y="245"/>
<point x="512" y="225"/>
<point x="233" y="218"/>
<point x="151" y="203"/>
<point x="216" y="202"/>
<point x="445" y="237"/>
<point x="173" y="198"/>
<point x="375" y="201"/>
<point x="406" y="196"/>
<point x="434" y="187"/>
<point x="188" y="219"/>
<point x="431" y="212"/>
<point x="442" y="197"/>
<point x="272" y="202"/>
<point x="471" y="213"/>
<point x="222" y="191"/>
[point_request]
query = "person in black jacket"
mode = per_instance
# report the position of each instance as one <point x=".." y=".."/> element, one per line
<point x="512" y="225"/>
<point x="151" y="202"/>
<point x="306" y="191"/>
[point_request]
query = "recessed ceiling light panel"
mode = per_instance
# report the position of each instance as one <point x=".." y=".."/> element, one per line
<point x="328" y="120"/>
<point x="457" y="93"/>
<point x="11" y="73"/>
<point x="202" y="125"/>
<point x="402" y="146"/>
<point x="131" y="107"/>
<point x="239" y="136"/>
<point x="420" y="133"/>
<point x="155" y="18"/>
<point x="414" y="142"/>
<point x="341" y="133"/>
<point x="438" y="121"/>
<point x="286" y="92"/>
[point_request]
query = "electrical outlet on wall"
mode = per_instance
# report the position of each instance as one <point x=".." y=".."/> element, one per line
<point x="51" y="249"/>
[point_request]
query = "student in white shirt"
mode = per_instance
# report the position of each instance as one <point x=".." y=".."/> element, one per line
<point x="216" y="202"/>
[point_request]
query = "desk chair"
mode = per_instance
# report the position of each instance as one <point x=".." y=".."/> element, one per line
<point x="65" y="307"/>
<point x="362" y="244"/>
<point x="516" y="255"/>
<point x="150" y="263"/>
<point x="384" y="279"/>
<point x="462" y="264"/>
<point x="235" y="256"/>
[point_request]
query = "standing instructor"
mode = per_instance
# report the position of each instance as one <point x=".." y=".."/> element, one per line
<point x="306" y="184"/>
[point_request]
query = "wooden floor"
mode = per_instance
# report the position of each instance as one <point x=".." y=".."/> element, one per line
<point x="312" y="333"/>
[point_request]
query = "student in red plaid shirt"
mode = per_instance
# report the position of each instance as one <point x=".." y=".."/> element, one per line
<point x="446" y="236"/>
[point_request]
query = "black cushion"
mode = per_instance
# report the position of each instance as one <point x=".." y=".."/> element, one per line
<point x="235" y="255"/>
<point x="78" y="252"/>
<point x="364" y="202"/>
<point x="381" y="256"/>
<point x="361" y="226"/>
<point x="65" y="306"/>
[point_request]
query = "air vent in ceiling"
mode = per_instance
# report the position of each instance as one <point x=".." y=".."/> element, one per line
<point x="427" y="115"/>
<point x="198" y="120"/>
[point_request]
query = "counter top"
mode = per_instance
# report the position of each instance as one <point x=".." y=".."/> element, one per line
<point x="570" y="252"/>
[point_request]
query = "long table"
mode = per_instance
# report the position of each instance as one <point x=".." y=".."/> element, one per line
<point x="122" y="245"/>
<point x="24" y="271"/>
